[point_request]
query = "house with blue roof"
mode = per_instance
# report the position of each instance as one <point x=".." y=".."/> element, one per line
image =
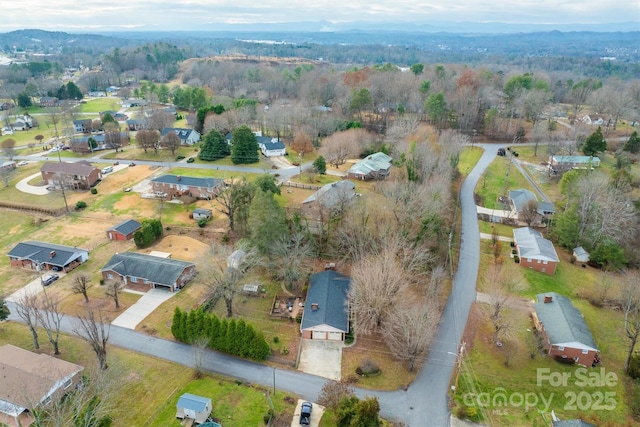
<point x="124" y="230"/>
<point x="564" y="329"/>
<point x="195" y="407"/>
<point x="172" y="186"/>
<point x="326" y="309"/>
<point x="522" y="199"/>
<point x="271" y="147"/>
<point x="374" y="166"/>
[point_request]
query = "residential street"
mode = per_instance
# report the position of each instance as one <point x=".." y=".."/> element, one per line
<point x="425" y="402"/>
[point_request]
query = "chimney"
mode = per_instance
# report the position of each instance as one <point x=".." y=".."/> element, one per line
<point x="52" y="254"/>
<point x="548" y="299"/>
<point x="314" y="306"/>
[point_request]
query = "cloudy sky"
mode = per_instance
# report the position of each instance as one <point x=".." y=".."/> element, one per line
<point x="102" y="15"/>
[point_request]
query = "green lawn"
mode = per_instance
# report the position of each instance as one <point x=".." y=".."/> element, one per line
<point x="468" y="159"/>
<point x="100" y="104"/>
<point x="495" y="182"/>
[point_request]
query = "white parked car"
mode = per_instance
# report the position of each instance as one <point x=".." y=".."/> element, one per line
<point x="107" y="169"/>
<point x="7" y="131"/>
<point x="23" y="163"/>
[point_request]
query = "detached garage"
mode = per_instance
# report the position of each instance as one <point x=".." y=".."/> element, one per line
<point x="124" y="230"/>
<point x="326" y="311"/>
<point x="195" y="407"/>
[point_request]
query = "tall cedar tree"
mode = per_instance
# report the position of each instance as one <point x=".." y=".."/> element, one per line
<point x="215" y="147"/>
<point x="320" y="165"/>
<point x="633" y="144"/>
<point x="594" y="144"/>
<point x="244" y="146"/>
<point x="267" y="221"/>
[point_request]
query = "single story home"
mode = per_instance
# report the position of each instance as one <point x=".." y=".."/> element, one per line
<point x="561" y="164"/>
<point x="199" y="213"/>
<point x="124" y="230"/>
<point x="326" y="309"/>
<point x="374" y="166"/>
<point x="32" y="380"/>
<point x="521" y="198"/>
<point x="535" y="251"/>
<point x="143" y="272"/>
<point x="565" y="332"/>
<point x="187" y="136"/>
<point x="176" y="185"/>
<point x="7" y="166"/>
<point x="197" y="408"/>
<point x="80" y="175"/>
<point x="48" y="101"/>
<point x="271" y="147"/>
<point x="135" y="124"/>
<point x="581" y="254"/>
<point x="330" y="199"/>
<point x="594" y="119"/>
<point x="36" y="255"/>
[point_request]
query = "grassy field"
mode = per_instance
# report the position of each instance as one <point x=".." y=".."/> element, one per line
<point x="495" y="182"/>
<point x="148" y="388"/>
<point x="468" y="159"/>
<point x="97" y="105"/>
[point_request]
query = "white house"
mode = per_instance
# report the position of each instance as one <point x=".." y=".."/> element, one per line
<point x="187" y="136"/>
<point x="195" y="407"/>
<point x="271" y="147"/>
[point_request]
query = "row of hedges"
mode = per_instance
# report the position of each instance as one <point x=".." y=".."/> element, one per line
<point x="230" y="336"/>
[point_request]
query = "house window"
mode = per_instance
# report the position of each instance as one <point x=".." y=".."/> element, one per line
<point x="561" y="348"/>
<point x="585" y="351"/>
<point x="68" y="383"/>
<point x="109" y="276"/>
<point x="528" y="259"/>
<point x="538" y="261"/>
<point x="133" y="279"/>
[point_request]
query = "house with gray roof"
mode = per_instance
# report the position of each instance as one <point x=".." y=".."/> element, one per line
<point x="535" y="251"/>
<point x="177" y="185"/>
<point x="200" y="213"/>
<point x="36" y="256"/>
<point x="124" y="230"/>
<point x="80" y="175"/>
<point x="520" y="201"/>
<point x="144" y="272"/>
<point x="331" y="199"/>
<point x="271" y="147"/>
<point x="564" y="329"/>
<point x="326" y="309"/>
<point x="561" y="164"/>
<point x="571" y="423"/>
<point x="187" y="136"/>
<point x="374" y="166"/>
<point x="195" y="407"/>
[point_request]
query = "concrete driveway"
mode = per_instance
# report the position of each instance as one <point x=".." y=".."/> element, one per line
<point x="23" y="186"/>
<point x="316" y="414"/>
<point x="142" y="308"/>
<point x="34" y="287"/>
<point x="321" y="358"/>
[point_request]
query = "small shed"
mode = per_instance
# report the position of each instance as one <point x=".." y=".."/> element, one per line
<point x="581" y="254"/>
<point x="124" y="231"/>
<point x="236" y="259"/>
<point x="197" y="408"/>
<point x="199" y="213"/>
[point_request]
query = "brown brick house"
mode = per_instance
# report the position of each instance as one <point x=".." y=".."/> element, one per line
<point x="124" y="230"/>
<point x="80" y="175"/>
<point x="326" y="309"/>
<point x="34" y="255"/>
<point x="144" y="272"/>
<point x="564" y="329"/>
<point x="31" y="380"/>
<point x="175" y="186"/>
<point x="535" y="251"/>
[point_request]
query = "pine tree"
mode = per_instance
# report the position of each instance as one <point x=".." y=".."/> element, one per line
<point x="215" y="147"/>
<point x="633" y="144"/>
<point x="267" y="221"/>
<point x="594" y="144"/>
<point x="320" y="165"/>
<point x="244" y="146"/>
<point x="176" y="324"/>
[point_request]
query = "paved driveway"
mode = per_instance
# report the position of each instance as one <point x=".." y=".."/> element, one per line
<point x="23" y="186"/>
<point x="321" y="358"/>
<point x="34" y="287"/>
<point x="142" y="308"/>
<point x="316" y="414"/>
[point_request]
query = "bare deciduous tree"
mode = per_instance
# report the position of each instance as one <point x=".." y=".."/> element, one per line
<point x="112" y="290"/>
<point x="339" y="147"/>
<point x="377" y="281"/>
<point x="148" y="139"/>
<point x="171" y="141"/>
<point x="81" y="284"/>
<point x="50" y="317"/>
<point x="94" y="330"/>
<point x="631" y="301"/>
<point x="529" y="212"/>
<point x="501" y="282"/>
<point x="333" y="392"/>
<point x="27" y="309"/>
<point x="8" y="148"/>
<point x="292" y="254"/>
<point x="409" y="331"/>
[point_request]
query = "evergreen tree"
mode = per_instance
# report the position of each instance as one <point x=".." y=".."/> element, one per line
<point x="320" y="165"/>
<point x="594" y="144"/>
<point x="244" y="146"/>
<point x="267" y="221"/>
<point x="633" y="144"/>
<point x="176" y="324"/>
<point x="267" y="183"/>
<point x="108" y="118"/>
<point x="215" y="147"/>
<point x="24" y="100"/>
<point x="4" y="310"/>
<point x="214" y="332"/>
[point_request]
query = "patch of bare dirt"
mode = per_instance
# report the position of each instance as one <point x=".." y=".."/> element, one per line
<point x="181" y="247"/>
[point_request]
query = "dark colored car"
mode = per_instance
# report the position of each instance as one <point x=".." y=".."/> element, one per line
<point x="305" y="414"/>
<point x="49" y="279"/>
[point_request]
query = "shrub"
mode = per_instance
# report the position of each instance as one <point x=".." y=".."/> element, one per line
<point x="202" y="222"/>
<point x="368" y="367"/>
<point x="516" y="259"/>
<point x="94" y="191"/>
<point x="80" y="205"/>
<point x="179" y="157"/>
<point x="634" y="367"/>
<point x="276" y="339"/>
<point x="191" y="160"/>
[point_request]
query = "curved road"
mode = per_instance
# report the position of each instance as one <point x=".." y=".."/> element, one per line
<point x="425" y="402"/>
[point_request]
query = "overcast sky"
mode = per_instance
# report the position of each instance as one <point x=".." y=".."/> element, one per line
<point x="102" y="15"/>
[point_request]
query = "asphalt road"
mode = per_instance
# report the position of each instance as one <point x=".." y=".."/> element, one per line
<point x="424" y="403"/>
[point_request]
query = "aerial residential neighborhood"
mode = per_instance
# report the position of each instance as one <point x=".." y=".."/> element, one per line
<point x="264" y="233"/>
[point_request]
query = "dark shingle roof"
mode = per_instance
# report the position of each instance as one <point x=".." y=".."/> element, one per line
<point x="183" y="133"/>
<point x="81" y="168"/>
<point x="563" y="322"/>
<point x="126" y="227"/>
<point x="572" y="423"/>
<point x="41" y="252"/>
<point x="333" y="193"/>
<point x="164" y="271"/>
<point x="329" y="290"/>
<point x="191" y="181"/>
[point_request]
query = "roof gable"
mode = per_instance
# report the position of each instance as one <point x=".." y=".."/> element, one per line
<point x="331" y="194"/>
<point x="127" y="227"/>
<point x="193" y="402"/>
<point x="372" y="163"/>
<point x="191" y="181"/>
<point x="41" y="252"/>
<point x="329" y="289"/>
<point x="562" y="321"/>
<point x="165" y="271"/>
